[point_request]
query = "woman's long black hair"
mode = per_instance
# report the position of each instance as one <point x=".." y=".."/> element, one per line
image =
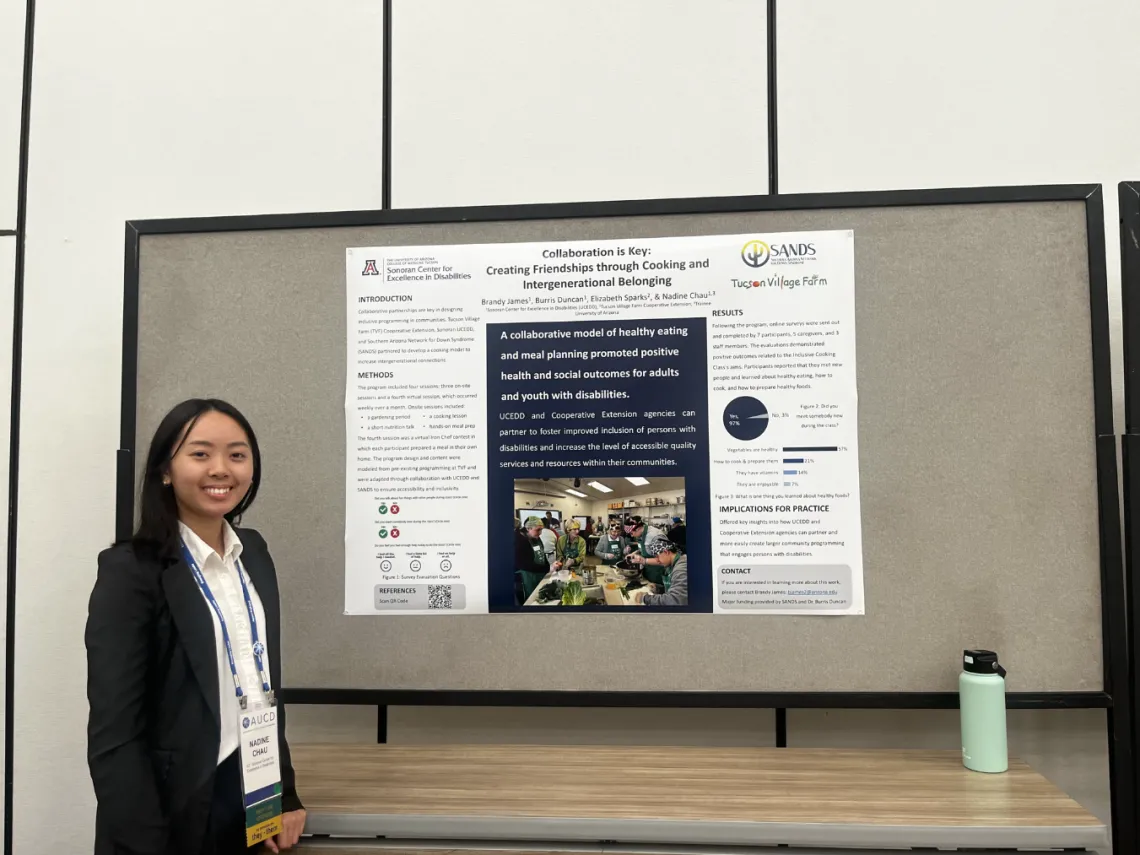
<point x="157" y="533"/>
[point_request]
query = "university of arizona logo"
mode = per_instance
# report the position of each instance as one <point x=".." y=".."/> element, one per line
<point x="370" y="268"/>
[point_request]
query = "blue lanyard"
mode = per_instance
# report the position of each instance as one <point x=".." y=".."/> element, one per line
<point x="257" y="646"/>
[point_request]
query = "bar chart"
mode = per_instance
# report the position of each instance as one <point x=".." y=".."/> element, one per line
<point x="796" y="460"/>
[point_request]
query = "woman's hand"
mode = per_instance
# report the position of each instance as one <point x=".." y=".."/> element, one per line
<point x="292" y="824"/>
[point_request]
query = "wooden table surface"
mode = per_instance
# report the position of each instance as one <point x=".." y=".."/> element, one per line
<point x="750" y="785"/>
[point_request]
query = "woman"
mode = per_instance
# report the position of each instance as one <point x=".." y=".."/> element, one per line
<point x="638" y="533"/>
<point x="571" y="548"/>
<point x="674" y="584"/>
<point x="549" y="537"/>
<point x="162" y="684"/>
<point x="531" y="562"/>
<point x="611" y="547"/>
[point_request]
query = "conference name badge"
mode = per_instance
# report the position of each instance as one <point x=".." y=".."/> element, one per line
<point x="260" y="773"/>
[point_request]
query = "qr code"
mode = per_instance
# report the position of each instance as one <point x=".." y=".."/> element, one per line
<point x="439" y="596"/>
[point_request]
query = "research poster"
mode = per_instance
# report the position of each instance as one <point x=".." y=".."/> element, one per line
<point x="662" y="425"/>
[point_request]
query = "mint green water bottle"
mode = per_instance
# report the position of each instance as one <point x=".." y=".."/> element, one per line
<point x="981" y="696"/>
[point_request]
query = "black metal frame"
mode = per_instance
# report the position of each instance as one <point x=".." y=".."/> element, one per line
<point x="20" y="233"/>
<point x="773" y="91"/>
<point x="1129" y="198"/>
<point x="1116" y="697"/>
<point x="686" y="700"/>
<point x="386" y="116"/>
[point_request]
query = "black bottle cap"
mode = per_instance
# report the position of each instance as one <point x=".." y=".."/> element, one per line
<point x="981" y="662"/>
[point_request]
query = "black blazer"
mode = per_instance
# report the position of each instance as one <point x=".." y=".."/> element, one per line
<point x="152" y="683"/>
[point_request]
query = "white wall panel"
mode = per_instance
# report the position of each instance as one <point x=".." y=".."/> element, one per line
<point x="506" y="101"/>
<point x="914" y="93"/>
<point x="887" y="94"/>
<point x="11" y="91"/>
<point x="884" y="94"/>
<point x="145" y="110"/>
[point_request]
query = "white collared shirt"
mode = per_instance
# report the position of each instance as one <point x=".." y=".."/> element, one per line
<point x="549" y="543"/>
<point x="221" y="577"/>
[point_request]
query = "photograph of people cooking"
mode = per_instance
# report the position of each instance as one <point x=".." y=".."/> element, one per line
<point x="616" y="542"/>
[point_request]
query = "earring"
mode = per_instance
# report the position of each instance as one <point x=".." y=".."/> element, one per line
<point x="166" y="482"/>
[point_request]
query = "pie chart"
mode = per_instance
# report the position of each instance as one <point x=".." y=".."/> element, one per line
<point x="745" y="418"/>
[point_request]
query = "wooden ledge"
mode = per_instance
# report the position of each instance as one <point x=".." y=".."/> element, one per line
<point x="813" y="797"/>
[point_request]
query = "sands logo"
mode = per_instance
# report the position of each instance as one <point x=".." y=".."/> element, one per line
<point x="757" y="253"/>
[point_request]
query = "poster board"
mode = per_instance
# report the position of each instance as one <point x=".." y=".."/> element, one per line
<point x="979" y="511"/>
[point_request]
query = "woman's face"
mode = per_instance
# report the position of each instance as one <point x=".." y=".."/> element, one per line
<point x="572" y="533"/>
<point x="213" y="469"/>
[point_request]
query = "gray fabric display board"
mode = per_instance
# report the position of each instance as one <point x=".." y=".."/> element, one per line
<point x="976" y="436"/>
